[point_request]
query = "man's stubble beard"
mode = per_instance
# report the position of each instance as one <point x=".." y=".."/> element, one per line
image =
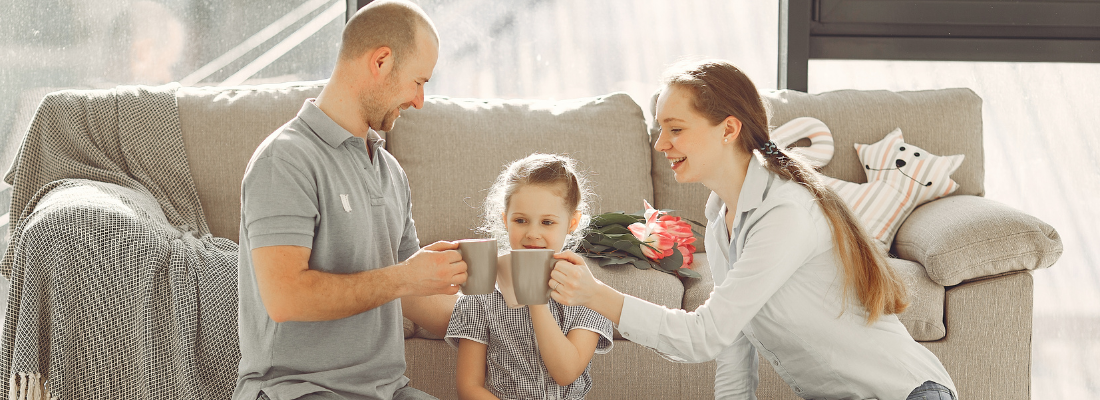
<point x="374" y="107"/>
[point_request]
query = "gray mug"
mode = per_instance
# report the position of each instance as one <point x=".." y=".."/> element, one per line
<point x="531" y="275"/>
<point x="480" y="256"/>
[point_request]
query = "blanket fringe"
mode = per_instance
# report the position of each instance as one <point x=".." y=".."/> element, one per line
<point x="24" y="386"/>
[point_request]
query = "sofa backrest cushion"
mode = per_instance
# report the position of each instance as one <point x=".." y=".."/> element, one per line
<point x="943" y="122"/>
<point x="221" y="128"/>
<point x="453" y="149"/>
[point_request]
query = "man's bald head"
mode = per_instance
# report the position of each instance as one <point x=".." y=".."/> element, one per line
<point x="389" y="23"/>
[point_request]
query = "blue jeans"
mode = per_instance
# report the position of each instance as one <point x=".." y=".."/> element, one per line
<point x="931" y="391"/>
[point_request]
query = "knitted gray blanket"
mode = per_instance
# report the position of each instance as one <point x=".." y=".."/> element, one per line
<point x="118" y="291"/>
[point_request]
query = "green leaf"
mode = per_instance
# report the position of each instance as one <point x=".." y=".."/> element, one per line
<point x="599" y="248"/>
<point x="672" y="262"/>
<point x="624" y="245"/>
<point x="688" y="273"/>
<point x="605" y="262"/>
<point x="606" y="241"/>
<point x="641" y="263"/>
<point x="614" y="229"/>
<point x="613" y="218"/>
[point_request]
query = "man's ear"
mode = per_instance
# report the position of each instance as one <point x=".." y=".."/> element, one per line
<point x="575" y="221"/>
<point x="732" y="127"/>
<point x="380" y="61"/>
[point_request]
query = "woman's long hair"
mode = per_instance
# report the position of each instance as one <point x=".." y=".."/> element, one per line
<point x="721" y="90"/>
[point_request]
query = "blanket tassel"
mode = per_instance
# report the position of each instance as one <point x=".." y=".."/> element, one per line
<point x="24" y="386"/>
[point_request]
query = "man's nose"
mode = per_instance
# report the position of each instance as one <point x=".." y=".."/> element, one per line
<point x="418" y="101"/>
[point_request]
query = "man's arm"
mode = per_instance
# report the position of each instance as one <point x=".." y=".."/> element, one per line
<point x="292" y="292"/>
<point x="430" y="312"/>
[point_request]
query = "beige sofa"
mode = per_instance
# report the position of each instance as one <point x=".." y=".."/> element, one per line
<point x="966" y="259"/>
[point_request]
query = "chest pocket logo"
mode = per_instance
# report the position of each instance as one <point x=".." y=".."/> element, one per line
<point x="345" y="202"/>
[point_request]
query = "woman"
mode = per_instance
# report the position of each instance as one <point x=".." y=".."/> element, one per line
<point x="797" y="279"/>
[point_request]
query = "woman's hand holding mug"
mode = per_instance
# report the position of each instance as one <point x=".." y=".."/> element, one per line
<point x="572" y="282"/>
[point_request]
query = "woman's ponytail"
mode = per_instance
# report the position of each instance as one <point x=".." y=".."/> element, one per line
<point x="721" y="90"/>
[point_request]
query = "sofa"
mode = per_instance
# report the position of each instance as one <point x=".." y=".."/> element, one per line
<point x="966" y="260"/>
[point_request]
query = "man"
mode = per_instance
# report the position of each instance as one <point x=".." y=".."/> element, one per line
<point x="328" y="251"/>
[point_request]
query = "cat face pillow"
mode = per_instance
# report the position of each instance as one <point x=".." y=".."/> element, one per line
<point x="900" y="177"/>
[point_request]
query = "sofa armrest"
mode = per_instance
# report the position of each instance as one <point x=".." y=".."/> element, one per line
<point x="960" y="238"/>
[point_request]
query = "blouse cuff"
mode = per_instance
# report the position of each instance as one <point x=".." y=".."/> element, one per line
<point x="640" y="321"/>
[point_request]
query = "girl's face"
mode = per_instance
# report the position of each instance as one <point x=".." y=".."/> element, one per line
<point x="693" y="146"/>
<point x="536" y="218"/>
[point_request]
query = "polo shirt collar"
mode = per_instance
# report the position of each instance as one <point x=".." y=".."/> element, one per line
<point x="753" y="190"/>
<point x="328" y="130"/>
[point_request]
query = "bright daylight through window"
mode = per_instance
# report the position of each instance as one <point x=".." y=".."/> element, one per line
<point x="1040" y="120"/>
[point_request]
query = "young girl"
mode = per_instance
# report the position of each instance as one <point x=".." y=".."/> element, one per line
<point x="538" y="351"/>
<point x="797" y="280"/>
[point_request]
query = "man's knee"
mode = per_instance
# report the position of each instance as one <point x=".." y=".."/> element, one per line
<point x="411" y="393"/>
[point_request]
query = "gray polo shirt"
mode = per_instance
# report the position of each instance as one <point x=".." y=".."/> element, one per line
<point x="312" y="184"/>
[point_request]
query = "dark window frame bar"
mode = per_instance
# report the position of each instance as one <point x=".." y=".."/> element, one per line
<point x="935" y="30"/>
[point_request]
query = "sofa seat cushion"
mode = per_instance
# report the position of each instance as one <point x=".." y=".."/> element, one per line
<point x="453" y="150"/>
<point x="924" y="316"/>
<point x="966" y="237"/>
<point x="650" y="285"/>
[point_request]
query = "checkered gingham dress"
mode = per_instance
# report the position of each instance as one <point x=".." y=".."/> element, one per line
<point x="515" y="367"/>
<point x="118" y="291"/>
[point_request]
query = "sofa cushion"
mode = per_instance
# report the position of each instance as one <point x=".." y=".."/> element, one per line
<point x="945" y="121"/>
<point x="924" y="316"/>
<point x="453" y="149"/>
<point x="221" y="128"/>
<point x="965" y="237"/>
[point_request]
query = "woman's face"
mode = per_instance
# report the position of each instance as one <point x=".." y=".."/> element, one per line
<point x="694" y="147"/>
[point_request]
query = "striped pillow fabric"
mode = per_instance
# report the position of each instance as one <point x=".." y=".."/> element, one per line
<point x="900" y="177"/>
<point x="820" y="150"/>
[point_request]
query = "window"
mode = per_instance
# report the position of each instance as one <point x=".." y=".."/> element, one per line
<point x="1041" y="140"/>
<point x="574" y="48"/>
<point x="57" y="44"/>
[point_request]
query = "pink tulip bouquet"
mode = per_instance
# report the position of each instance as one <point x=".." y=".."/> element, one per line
<point x="647" y="239"/>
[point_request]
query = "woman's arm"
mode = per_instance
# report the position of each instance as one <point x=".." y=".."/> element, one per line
<point x="783" y="239"/>
<point x="470" y="373"/>
<point x="566" y="357"/>
<point x="574" y="285"/>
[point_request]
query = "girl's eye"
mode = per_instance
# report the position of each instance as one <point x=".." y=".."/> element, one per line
<point x="519" y="220"/>
<point x="547" y="222"/>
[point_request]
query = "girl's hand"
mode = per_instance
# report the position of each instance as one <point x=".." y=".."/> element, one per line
<point x="572" y="282"/>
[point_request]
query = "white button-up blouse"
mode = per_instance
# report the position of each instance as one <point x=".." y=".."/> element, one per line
<point x="778" y="292"/>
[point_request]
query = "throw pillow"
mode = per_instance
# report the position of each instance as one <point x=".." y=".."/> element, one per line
<point x="900" y="177"/>
<point x="820" y="150"/>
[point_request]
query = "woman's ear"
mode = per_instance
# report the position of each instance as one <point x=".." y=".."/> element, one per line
<point x="732" y="127"/>
<point x="575" y="221"/>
